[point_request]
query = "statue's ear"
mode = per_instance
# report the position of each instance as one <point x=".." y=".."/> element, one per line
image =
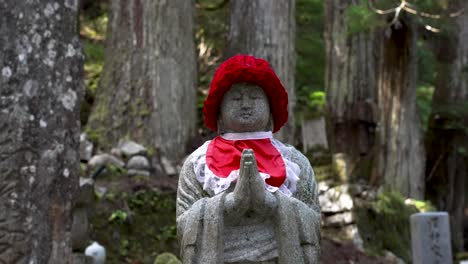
<point x="270" y="123"/>
<point x="220" y="126"/>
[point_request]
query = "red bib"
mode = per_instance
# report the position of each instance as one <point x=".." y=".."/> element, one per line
<point x="223" y="156"/>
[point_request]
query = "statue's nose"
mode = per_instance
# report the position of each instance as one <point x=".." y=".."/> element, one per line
<point x="246" y="103"/>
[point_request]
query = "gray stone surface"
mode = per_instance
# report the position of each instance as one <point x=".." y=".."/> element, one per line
<point x="130" y="148"/>
<point x="41" y="89"/>
<point x="86" y="192"/>
<point x="314" y="134"/>
<point x="336" y="199"/>
<point x="86" y="147"/>
<point x="80" y="229"/>
<point x="138" y="163"/>
<point x="338" y="220"/>
<point x="134" y="172"/>
<point x="430" y="238"/>
<point x="116" y="152"/>
<point x="247" y="223"/>
<point x="101" y="191"/>
<point x="78" y="258"/>
<point x="169" y="168"/>
<point x="97" y="252"/>
<point x="105" y="159"/>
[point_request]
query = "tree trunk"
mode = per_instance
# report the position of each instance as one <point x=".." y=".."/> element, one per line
<point x="40" y="93"/>
<point x="401" y="159"/>
<point x="266" y="29"/>
<point x="351" y="93"/>
<point x="148" y="86"/>
<point x="447" y="140"/>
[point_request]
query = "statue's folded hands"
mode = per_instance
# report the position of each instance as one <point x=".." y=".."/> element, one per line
<point x="249" y="195"/>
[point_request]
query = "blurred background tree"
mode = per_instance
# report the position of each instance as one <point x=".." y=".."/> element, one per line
<point x="388" y="76"/>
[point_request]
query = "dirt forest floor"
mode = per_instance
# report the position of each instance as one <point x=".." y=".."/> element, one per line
<point x="333" y="251"/>
<point x="345" y="252"/>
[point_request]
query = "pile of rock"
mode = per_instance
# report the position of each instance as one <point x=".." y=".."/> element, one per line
<point x="128" y="156"/>
<point x="337" y="203"/>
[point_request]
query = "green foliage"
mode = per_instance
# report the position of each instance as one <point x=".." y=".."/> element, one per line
<point x="426" y="64"/>
<point x="310" y="48"/>
<point x="118" y="216"/>
<point x="317" y="101"/>
<point x="384" y="224"/>
<point x="360" y="18"/>
<point x="424" y="102"/>
<point x="167" y="233"/>
<point x="422" y="206"/>
<point x="454" y="114"/>
<point x="141" y="231"/>
<point x="210" y="36"/>
<point x="167" y="258"/>
<point x="461" y="256"/>
<point x="431" y="6"/>
<point x="93" y="26"/>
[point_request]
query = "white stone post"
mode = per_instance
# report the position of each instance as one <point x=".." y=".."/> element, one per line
<point x="430" y="238"/>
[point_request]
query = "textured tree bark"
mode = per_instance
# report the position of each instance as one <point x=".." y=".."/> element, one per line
<point x="447" y="169"/>
<point x="401" y="156"/>
<point x="350" y="84"/>
<point x="148" y="86"/>
<point x="266" y="29"/>
<point x="40" y="92"/>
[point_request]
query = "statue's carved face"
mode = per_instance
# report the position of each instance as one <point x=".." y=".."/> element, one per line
<point x="244" y="108"/>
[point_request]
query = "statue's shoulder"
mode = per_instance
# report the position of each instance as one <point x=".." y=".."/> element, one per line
<point x="196" y="156"/>
<point x="299" y="158"/>
<point x="293" y="154"/>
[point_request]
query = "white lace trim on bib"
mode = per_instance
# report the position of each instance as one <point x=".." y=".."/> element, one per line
<point x="214" y="184"/>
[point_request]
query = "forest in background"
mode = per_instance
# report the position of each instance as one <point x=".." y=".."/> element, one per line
<point x="363" y="91"/>
<point x="384" y="82"/>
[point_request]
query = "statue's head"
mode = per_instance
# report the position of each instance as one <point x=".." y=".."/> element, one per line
<point x="245" y="96"/>
<point x="244" y="108"/>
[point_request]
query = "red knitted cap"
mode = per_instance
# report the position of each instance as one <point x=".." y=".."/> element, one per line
<point x="246" y="69"/>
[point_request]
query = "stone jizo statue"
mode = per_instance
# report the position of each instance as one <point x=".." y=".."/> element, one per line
<point x="245" y="197"/>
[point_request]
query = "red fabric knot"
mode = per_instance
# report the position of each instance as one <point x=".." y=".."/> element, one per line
<point x="223" y="156"/>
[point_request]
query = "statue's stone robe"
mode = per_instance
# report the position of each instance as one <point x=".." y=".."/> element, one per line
<point x="291" y="235"/>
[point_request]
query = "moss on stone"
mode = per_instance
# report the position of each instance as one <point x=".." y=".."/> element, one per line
<point x="167" y="258"/>
<point x="147" y="229"/>
<point x="384" y="224"/>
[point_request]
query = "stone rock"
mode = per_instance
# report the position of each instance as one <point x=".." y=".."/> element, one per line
<point x="169" y="169"/>
<point x="336" y="200"/>
<point x="392" y="258"/>
<point x="78" y="258"/>
<point x="101" y="191"/>
<point x="323" y="186"/>
<point x="138" y="163"/>
<point x="96" y="252"/>
<point x="352" y="232"/>
<point x="86" y="147"/>
<point x="86" y="192"/>
<point x="135" y="172"/>
<point x="116" y="152"/>
<point x="167" y="258"/>
<point x="105" y="159"/>
<point x="314" y="134"/>
<point x="79" y="229"/>
<point x="130" y="148"/>
<point x="430" y="238"/>
<point x="338" y="220"/>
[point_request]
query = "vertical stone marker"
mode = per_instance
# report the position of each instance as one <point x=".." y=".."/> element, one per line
<point x="430" y="238"/>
